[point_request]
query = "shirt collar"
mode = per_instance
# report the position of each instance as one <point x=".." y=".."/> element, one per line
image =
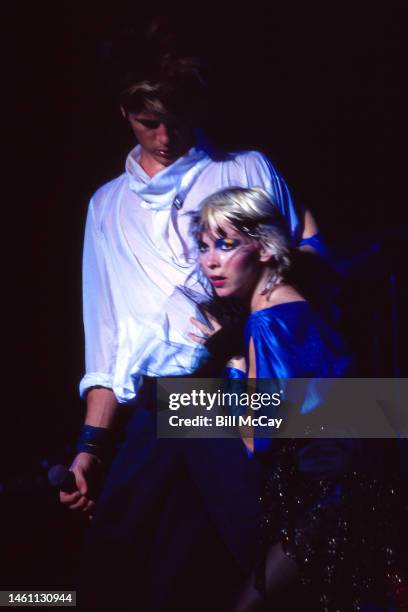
<point x="158" y="192"/>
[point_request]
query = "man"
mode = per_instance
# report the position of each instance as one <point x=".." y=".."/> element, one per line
<point x="167" y="506"/>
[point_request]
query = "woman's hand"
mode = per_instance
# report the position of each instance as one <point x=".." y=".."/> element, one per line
<point x="206" y="330"/>
<point x="238" y="362"/>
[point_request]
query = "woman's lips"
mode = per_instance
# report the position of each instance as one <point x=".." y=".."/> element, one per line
<point x="217" y="281"/>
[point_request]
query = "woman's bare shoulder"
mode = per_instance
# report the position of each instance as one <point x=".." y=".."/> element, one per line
<point x="283" y="294"/>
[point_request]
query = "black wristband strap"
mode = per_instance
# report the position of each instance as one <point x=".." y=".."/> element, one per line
<point x="95" y="440"/>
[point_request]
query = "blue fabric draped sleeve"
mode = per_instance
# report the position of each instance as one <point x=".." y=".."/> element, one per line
<point x="292" y="341"/>
<point x="317" y="242"/>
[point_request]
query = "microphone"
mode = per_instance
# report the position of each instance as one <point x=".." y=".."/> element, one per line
<point x="60" y="477"/>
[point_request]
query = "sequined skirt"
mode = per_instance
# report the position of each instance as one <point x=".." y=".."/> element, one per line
<point x="342" y="525"/>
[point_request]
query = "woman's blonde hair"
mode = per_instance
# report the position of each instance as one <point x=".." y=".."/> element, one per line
<point x="252" y="212"/>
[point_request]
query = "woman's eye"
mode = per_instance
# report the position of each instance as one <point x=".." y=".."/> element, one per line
<point x="202" y="247"/>
<point x="226" y="244"/>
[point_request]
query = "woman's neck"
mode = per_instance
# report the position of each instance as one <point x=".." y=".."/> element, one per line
<point x="280" y="294"/>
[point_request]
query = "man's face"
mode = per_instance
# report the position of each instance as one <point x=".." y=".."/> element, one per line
<point x="162" y="138"/>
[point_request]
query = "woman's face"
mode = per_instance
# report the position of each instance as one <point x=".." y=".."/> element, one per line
<point x="231" y="263"/>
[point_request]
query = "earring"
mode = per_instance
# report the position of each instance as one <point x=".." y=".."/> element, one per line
<point x="270" y="284"/>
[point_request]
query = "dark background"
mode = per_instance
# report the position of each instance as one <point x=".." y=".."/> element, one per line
<point x="315" y="86"/>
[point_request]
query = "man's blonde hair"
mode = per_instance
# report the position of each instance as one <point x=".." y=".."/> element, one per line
<point x="168" y="86"/>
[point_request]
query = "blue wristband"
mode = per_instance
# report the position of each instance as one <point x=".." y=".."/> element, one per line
<point x="95" y="440"/>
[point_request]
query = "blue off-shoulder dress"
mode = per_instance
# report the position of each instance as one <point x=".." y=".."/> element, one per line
<point x="333" y="516"/>
<point x="296" y="351"/>
<point x="292" y="341"/>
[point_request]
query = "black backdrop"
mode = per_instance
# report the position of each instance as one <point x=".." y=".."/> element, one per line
<point x="315" y="86"/>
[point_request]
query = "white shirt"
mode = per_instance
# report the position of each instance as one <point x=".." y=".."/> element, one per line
<point x="138" y="253"/>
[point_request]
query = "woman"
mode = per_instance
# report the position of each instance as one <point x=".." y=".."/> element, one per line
<point x="315" y="522"/>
